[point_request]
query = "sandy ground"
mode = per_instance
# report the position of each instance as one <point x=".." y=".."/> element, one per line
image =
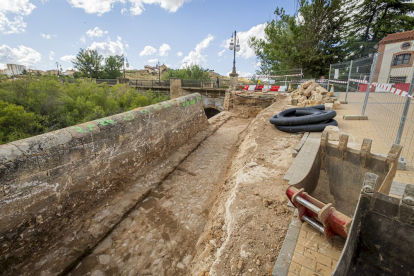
<point x="249" y="219"/>
<point x="221" y="212"/>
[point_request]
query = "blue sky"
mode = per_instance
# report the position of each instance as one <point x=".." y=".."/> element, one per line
<point x="39" y="33"/>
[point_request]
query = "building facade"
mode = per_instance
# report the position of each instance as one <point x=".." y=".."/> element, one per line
<point x="15" y="69"/>
<point x="395" y="60"/>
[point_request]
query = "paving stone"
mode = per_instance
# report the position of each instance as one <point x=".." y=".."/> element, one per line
<point x="323" y="270"/>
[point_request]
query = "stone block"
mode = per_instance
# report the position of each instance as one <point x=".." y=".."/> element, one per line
<point x="333" y="132"/>
<point x="329" y="106"/>
<point x="355" y="117"/>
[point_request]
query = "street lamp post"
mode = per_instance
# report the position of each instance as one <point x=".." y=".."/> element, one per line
<point x="57" y="66"/>
<point x="235" y="47"/>
<point x="125" y="60"/>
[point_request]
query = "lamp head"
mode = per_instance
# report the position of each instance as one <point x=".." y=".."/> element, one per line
<point x="231" y="46"/>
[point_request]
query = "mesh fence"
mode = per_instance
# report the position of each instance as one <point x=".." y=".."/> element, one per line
<point x="383" y="81"/>
<point x="280" y="77"/>
<point x="338" y="76"/>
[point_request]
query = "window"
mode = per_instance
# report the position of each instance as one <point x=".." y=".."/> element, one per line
<point x="401" y="59"/>
<point x="405" y="45"/>
<point x="397" y="79"/>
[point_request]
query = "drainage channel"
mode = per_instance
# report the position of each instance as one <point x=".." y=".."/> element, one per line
<point x="159" y="236"/>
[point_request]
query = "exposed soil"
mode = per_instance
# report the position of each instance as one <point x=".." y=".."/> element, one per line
<point x="249" y="219"/>
<point x="221" y="212"/>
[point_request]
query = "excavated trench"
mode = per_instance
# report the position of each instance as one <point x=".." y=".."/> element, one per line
<point x="159" y="237"/>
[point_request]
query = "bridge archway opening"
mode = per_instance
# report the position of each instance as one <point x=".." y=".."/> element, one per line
<point x="211" y="112"/>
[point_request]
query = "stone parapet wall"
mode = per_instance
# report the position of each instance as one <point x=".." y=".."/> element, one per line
<point x="52" y="183"/>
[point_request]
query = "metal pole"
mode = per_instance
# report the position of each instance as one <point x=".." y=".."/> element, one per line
<point x="329" y="77"/>
<point x="405" y="111"/>
<point x="371" y="76"/>
<point x="347" y="84"/>
<point x="123" y="62"/>
<point x="301" y="75"/>
<point x="234" y="51"/>
<point x="313" y="223"/>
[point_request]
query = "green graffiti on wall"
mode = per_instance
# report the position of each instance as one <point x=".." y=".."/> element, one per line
<point x="79" y="129"/>
<point x="105" y="122"/>
<point x="129" y="117"/>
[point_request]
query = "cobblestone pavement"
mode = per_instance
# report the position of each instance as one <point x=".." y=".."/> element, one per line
<point x="159" y="236"/>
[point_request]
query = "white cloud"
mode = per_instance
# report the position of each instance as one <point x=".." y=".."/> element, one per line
<point x="196" y="56"/>
<point x="164" y="49"/>
<point x="68" y="58"/>
<point x="96" y="32"/>
<point x="51" y="55"/>
<point x="109" y="48"/>
<point x="179" y="54"/>
<point x="204" y="43"/>
<point x="82" y="39"/>
<point x="136" y="6"/>
<point x="46" y="36"/>
<point x="154" y="60"/>
<point x="245" y="51"/>
<point x="16" y="9"/>
<point x="221" y="53"/>
<point x="21" y="55"/>
<point x="256" y="64"/>
<point x="148" y="50"/>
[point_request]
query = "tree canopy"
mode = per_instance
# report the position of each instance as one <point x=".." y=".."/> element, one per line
<point x="373" y="20"/>
<point x="328" y="31"/>
<point x="91" y="64"/>
<point x="190" y="72"/>
<point x="30" y="107"/>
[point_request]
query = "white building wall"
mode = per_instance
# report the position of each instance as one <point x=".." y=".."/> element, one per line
<point x="15" y="69"/>
<point x="385" y="72"/>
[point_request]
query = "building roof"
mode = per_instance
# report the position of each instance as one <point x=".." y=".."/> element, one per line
<point x="397" y="37"/>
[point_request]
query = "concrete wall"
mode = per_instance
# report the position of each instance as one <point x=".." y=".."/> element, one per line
<point x="55" y="188"/>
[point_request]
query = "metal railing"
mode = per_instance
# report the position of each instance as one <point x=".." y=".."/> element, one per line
<point x="149" y="83"/>
<point x="205" y="83"/>
<point x="107" y="81"/>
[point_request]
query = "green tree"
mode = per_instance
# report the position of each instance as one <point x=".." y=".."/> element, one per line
<point x="374" y="19"/>
<point x="190" y="72"/>
<point x="33" y="106"/>
<point x="24" y="72"/>
<point x="112" y="68"/>
<point x="88" y="62"/>
<point x="311" y="39"/>
<point x="16" y="123"/>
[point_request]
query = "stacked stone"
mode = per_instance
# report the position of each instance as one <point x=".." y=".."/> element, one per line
<point x="310" y="93"/>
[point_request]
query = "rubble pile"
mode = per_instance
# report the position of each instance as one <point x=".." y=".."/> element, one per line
<point x="310" y="94"/>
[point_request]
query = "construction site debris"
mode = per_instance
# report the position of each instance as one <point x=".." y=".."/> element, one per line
<point x="310" y="94"/>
